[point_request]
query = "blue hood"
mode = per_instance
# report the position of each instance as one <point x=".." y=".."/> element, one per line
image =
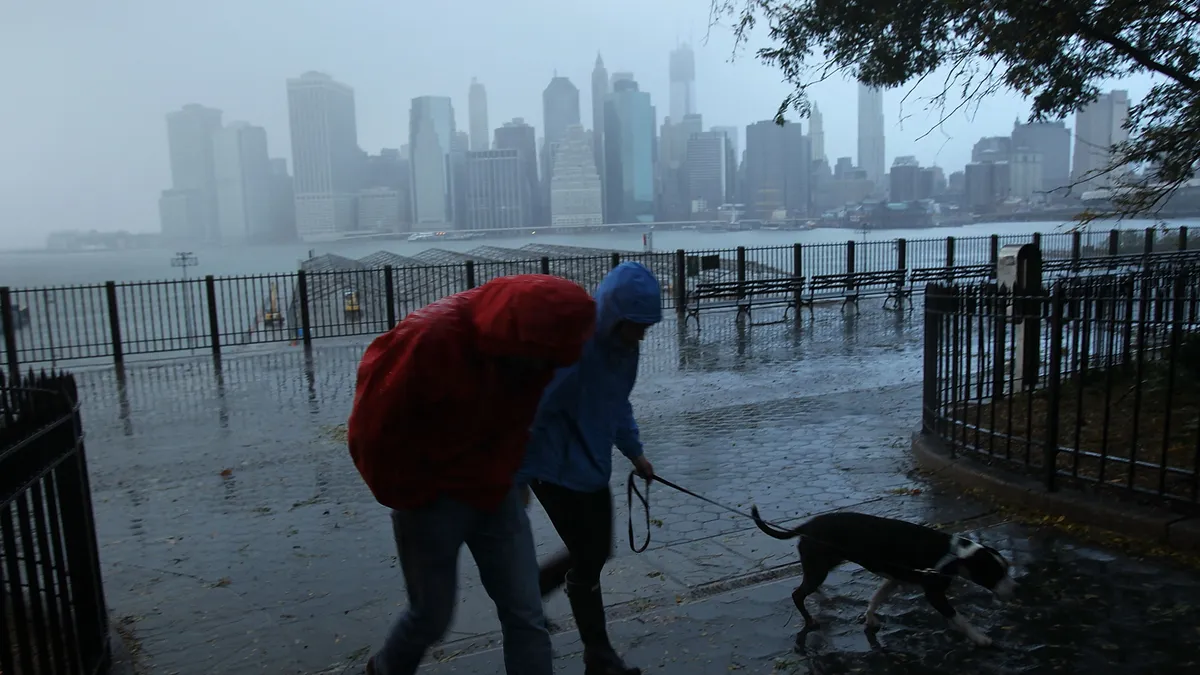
<point x="629" y="293"/>
<point x="585" y="410"/>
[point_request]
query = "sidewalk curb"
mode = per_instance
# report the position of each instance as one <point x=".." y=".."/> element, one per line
<point x="1131" y="520"/>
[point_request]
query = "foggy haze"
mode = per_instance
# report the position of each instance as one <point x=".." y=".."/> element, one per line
<point x="89" y="85"/>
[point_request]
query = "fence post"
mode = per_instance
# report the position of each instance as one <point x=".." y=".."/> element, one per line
<point x="994" y="252"/>
<point x="1053" y="387"/>
<point x="680" y="281"/>
<point x="114" y="323"/>
<point x="929" y="403"/>
<point x="545" y="264"/>
<point x="949" y="252"/>
<point x="1037" y="241"/>
<point x="305" y="324"/>
<point x="1149" y="241"/>
<point x="1076" y="245"/>
<point x="616" y="259"/>
<point x="389" y="294"/>
<point x="470" y="274"/>
<point x="850" y="263"/>
<point x="7" y="324"/>
<point x="741" y="271"/>
<point x="1183" y="238"/>
<point x="214" y="328"/>
<point x="1114" y="242"/>
<point x="902" y="254"/>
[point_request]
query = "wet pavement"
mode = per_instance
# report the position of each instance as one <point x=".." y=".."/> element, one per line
<point x="237" y="538"/>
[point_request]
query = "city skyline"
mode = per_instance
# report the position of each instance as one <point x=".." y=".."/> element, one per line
<point x="114" y="158"/>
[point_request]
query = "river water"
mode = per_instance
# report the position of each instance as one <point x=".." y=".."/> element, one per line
<point x="22" y="270"/>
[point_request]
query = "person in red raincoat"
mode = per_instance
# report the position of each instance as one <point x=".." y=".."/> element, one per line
<point x="441" y="417"/>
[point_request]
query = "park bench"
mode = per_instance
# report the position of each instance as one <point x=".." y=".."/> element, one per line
<point x="744" y="295"/>
<point x="1127" y="262"/>
<point x="852" y="286"/>
<point x="948" y="275"/>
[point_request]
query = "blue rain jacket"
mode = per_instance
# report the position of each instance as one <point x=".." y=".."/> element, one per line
<point x="586" y="410"/>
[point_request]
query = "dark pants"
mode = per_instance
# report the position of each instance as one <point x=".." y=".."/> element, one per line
<point x="429" y="540"/>
<point x="584" y="521"/>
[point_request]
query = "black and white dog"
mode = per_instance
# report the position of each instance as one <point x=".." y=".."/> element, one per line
<point x="898" y="551"/>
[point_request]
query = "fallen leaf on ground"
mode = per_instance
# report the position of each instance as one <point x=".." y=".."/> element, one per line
<point x="226" y="473"/>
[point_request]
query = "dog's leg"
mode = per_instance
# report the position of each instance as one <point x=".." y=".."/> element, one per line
<point x="881" y="595"/>
<point x="937" y="598"/>
<point x="815" y="572"/>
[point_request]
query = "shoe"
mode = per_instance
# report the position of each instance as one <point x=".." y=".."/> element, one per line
<point x="605" y="661"/>
<point x="599" y="657"/>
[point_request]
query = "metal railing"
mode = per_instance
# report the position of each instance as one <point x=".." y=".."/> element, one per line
<point x="113" y="321"/>
<point x="53" y="617"/>
<point x="1095" y="380"/>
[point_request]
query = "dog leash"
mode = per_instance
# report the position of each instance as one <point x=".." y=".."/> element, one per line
<point x="631" y="491"/>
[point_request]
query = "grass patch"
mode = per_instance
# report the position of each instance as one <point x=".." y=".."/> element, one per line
<point x="1107" y="421"/>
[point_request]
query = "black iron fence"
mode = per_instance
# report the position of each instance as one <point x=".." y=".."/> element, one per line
<point x="1095" y="379"/>
<point x="53" y="618"/>
<point x="113" y="321"/>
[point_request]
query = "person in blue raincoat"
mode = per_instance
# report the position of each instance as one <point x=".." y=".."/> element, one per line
<point x="583" y="413"/>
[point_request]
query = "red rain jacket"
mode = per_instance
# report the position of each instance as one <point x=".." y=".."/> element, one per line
<point x="434" y="415"/>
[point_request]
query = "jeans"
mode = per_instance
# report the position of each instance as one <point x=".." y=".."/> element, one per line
<point x="428" y="540"/>
<point x="584" y="521"/>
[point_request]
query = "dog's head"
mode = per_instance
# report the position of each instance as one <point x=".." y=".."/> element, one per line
<point x="982" y="565"/>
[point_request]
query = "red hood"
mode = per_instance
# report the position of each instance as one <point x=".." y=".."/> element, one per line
<point x="533" y="316"/>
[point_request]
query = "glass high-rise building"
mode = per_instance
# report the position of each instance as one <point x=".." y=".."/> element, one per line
<point x="629" y="148"/>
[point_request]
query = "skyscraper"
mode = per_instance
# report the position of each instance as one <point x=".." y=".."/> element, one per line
<point x="600" y="89"/>
<point x="560" y="110"/>
<point x="575" y="197"/>
<point x="683" y="82"/>
<point x="477" y="111"/>
<point x="778" y="170"/>
<point x="871" y="156"/>
<point x="707" y="175"/>
<point x="629" y="153"/>
<point x="519" y="136"/>
<point x="1053" y="140"/>
<point x="193" y="180"/>
<point x="431" y="138"/>
<point x="326" y="160"/>
<point x="1099" y="127"/>
<point x="496" y="195"/>
<point x="244" y="184"/>
<point x="816" y="133"/>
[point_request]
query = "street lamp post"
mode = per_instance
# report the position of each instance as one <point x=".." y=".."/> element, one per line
<point x="183" y="260"/>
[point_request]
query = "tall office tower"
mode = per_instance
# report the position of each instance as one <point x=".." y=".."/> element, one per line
<point x="575" y="197"/>
<point x="670" y="163"/>
<point x="189" y="209"/>
<point x="733" y="151"/>
<point x="683" y="82"/>
<point x="519" y="136"/>
<point x="600" y="90"/>
<point x="1099" y="127"/>
<point x="560" y="110"/>
<point x="1053" y="140"/>
<point x="871" y="157"/>
<point x="816" y="133"/>
<point x="496" y="194"/>
<point x="778" y="170"/>
<point x="707" y="170"/>
<point x="244" y="184"/>
<point x="629" y="153"/>
<point x="326" y="160"/>
<point x="431" y="140"/>
<point x="477" y="111"/>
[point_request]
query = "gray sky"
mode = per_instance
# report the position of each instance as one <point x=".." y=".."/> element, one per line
<point x="89" y="84"/>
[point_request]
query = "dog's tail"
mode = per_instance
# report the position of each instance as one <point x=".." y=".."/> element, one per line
<point x="773" y="531"/>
